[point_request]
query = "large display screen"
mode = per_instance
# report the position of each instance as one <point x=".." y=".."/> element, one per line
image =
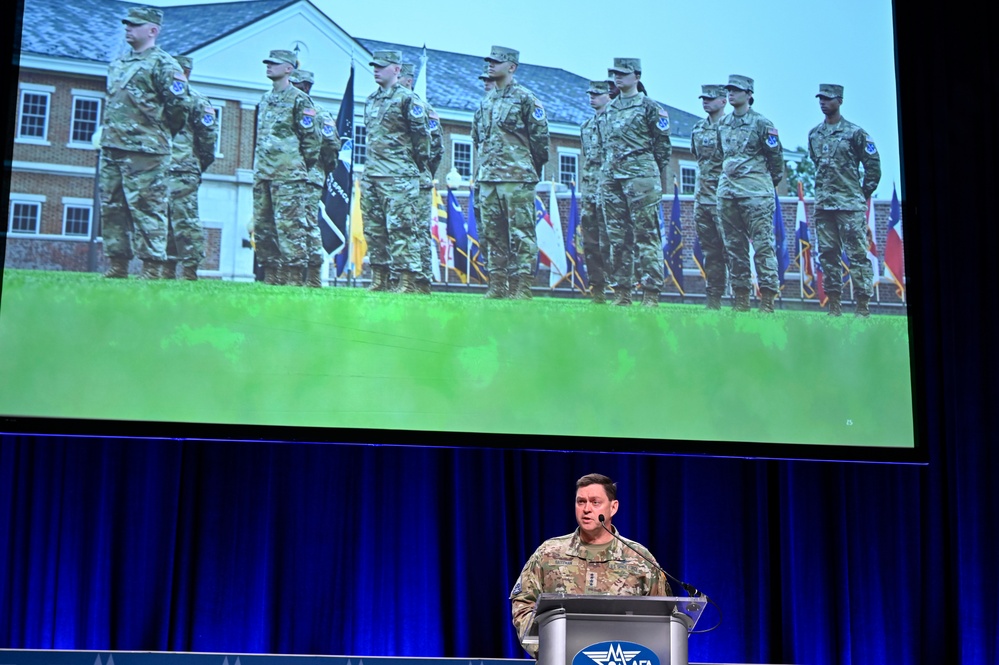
<point x="230" y="358"/>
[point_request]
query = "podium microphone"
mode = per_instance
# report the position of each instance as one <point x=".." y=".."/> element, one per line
<point x="691" y="591"/>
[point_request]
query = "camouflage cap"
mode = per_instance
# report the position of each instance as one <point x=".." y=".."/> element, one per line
<point x="302" y="76"/>
<point x="626" y="66"/>
<point x="830" y="90"/>
<point x="712" y="91"/>
<point x="281" y="57"/>
<point x="408" y="69"/>
<point x="740" y="82"/>
<point x="503" y="54"/>
<point x="185" y="61"/>
<point x="386" y="58"/>
<point x="142" y="15"/>
<point x="599" y="88"/>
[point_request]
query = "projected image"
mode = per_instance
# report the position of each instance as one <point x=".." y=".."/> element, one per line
<point x="642" y="233"/>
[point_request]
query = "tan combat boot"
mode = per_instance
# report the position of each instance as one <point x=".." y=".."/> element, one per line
<point x="712" y="301"/>
<point x="622" y="296"/>
<point x="407" y="282"/>
<point x="835" y="306"/>
<point x="314" y="276"/>
<point x="497" y="289"/>
<point x="863" y="310"/>
<point x="598" y="294"/>
<point x="740" y="302"/>
<point x="379" y="279"/>
<point x="767" y="298"/>
<point x="190" y="272"/>
<point x="152" y="269"/>
<point x="520" y="288"/>
<point x="117" y="268"/>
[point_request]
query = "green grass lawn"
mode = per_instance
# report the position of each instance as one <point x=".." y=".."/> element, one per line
<point x="79" y="346"/>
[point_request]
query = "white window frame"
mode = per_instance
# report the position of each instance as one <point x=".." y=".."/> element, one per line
<point x="465" y="140"/>
<point x="25" y="199"/>
<point x="76" y="202"/>
<point x="692" y="166"/>
<point x="357" y="144"/>
<point x="576" y="154"/>
<point x="219" y="106"/>
<point x="90" y="96"/>
<point x="43" y="91"/>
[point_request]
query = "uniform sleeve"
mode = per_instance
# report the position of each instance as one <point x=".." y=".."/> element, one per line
<point x="524" y="597"/>
<point x="536" y="121"/>
<point x="436" y="141"/>
<point x="415" y="112"/>
<point x="307" y="129"/>
<point x="329" y="151"/>
<point x="205" y="130"/>
<point x="811" y="149"/>
<point x="867" y="153"/>
<point x="174" y="94"/>
<point x="662" y="147"/>
<point x="773" y="153"/>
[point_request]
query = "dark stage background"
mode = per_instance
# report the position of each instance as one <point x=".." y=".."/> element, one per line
<point x="251" y="547"/>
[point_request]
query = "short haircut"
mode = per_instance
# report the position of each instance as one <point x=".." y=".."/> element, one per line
<point x="599" y="479"/>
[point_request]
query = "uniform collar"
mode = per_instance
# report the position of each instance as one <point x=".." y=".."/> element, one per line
<point x="577" y="547"/>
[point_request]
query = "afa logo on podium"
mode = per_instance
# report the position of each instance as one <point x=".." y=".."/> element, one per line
<point x="615" y="653"/>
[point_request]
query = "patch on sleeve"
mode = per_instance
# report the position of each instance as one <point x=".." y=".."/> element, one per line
<point x="417" y="111"/>
<point x="178" y="87"/>
<point x="539" y="110"/>
<point x="308" y="118"/>
<point x="772" y="137"/>
<point x="516" y="588"/>
<point x="180" y="76"/>
<point x="663" y="122"/>
<point x="208" y="116"/>
<point x="328" y="129"/>
<point x="870" y="147"/>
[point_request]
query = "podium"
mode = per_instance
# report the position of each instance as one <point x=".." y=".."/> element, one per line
<point x="613" y="630"/>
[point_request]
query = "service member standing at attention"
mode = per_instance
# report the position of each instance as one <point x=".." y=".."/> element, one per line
<point x="752" y="165"/>
<point x="596" y="245"/>
<point x="707" y="151"/>
<point x="147" y="103"/>
<point x="514" y="151"/>
<point x="193" y="152"/>
<point x="288" y="144"/>
<point x="588" y="561"/>
<point x="426" y="184"/>
<point x="837" y="146"/>
<point x="638" y="149"/>
<point x="398" y="151"/>
<point x="329" y="149"/>
<point x="478" y="133"/>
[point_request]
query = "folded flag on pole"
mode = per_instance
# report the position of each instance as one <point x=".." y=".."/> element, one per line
<point x="804" y="257"/>
<point x="457" y="236"/>
<point x="780" y="240"/>
<point x="334" y="208"/>
<point x="439" y="247"/>
<point x="478" y="265"/>
<point x="699" y="257"/>
<point x="872" y="245"/>
<point x="673" y="245"/>
<point x="551" y="246"/>
<point x="894" y="256"/>
<point x="574" y="246"/>
<point x="358" y="245"/>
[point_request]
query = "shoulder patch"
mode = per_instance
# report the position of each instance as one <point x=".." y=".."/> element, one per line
<point x="309" y="111"/>
<point x="772" y="137"/>
<point x="539" y="111"/>
<point x="208" y="115"/>
<point x="180" y="76"/>
<point x="417" y="110"/>
<point x="178" y="87"/>
<point x="772" y="131"/>
<point x="870" y="147"/>
<point x="308" y="119"/>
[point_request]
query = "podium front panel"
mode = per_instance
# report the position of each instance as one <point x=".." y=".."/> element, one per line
<point x="567" y="638"/>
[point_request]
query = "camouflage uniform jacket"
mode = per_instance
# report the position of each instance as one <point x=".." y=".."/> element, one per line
<point x="398" y="127"/>
<point x="514" y="136"/>
<point x="194" y="145"/>
<point x="146" y="103"/>
<point x="561" y="565"/>
<point x="287" y="138"/>
<point x="329" y="147"/>
<point x="704" y="143"/>
<point x="436" y="148"/>
<point x="837" y="150"/>
<point x="636" y="140"/>
<point x="590" y="135"/>
<point x="752" y="157"/>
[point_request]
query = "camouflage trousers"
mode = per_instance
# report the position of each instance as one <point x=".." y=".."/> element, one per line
<point x="708" y="222"/>
<point x="432" y="253"/>
<point x="750" y="220"/>
<point x="839" y="232"/>
<point x="314" y="239"/>
<point x="392" y="209"/>
<point x="596" y="244"/>
<point x="281" y="222"/>
<point x="134" y="195"/>
<point x="185" y="238"/>
<point x="631" y="211"/>
<point x="508" y="226"/>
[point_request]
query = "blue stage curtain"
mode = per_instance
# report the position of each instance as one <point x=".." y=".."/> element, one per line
<point x="382" y="550"/>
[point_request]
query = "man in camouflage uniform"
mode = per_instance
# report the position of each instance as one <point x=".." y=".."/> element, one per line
<point x="147" y="103"/>
<point x="288" y="144"/>
<point x="193" y="152"/>
<point x="514" y="141"/>
<point x="636" y="139"/>
<point x="704" y="144"/>
<point x="328" y="152"/>
<point x="426" y="184"/>
<point x="587" y="561"/>
<point x="752" y="165"/>
<point x="478" y="132"/>
<point x="399" y="149"/>
<point x="837" y="146"/>
<point x="596" y="244"/>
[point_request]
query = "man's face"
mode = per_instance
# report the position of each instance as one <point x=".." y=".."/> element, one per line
<point x="829" y="105"/>
<point x="140" y="34"/>
<point x="712" y="104"/>
<point x="489" y="85"/>
<point x="598" y="101"/>
<point x="499" y="70"/>
<point x="387" y="74"/>
<point x="591" y="502"/>
<point x="737" y="97"/>
<point x="279" y="70"/>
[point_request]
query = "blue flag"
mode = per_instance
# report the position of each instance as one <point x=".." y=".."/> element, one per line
<point x="673" y="247"/>
<point x="334" y="212"/>
<point x="577" y="269"/>
<point x="459" y="238"/>
<point x="478" y="265"/>
<point x="780" y="241"/>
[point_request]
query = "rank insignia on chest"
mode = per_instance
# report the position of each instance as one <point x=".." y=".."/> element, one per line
<point x="416" y="111"/>
<point x="329" y="129"/>
<point x="825" y="148"/>
<point x="870" y="147"/>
